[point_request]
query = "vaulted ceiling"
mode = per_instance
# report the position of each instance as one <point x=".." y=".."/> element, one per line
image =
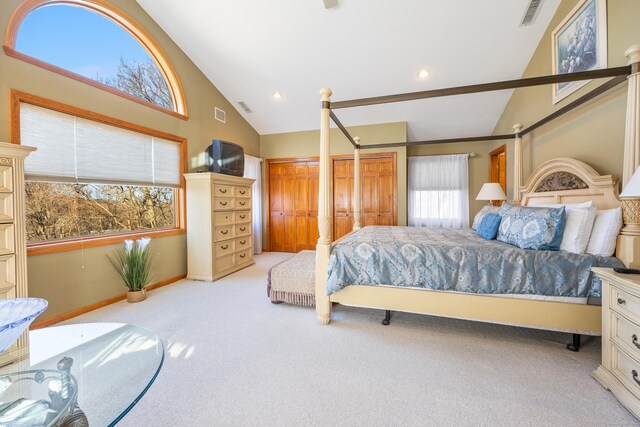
<point x="251" y="48"/>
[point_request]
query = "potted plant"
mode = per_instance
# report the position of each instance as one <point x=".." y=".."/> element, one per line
<point x="133" y="263"/>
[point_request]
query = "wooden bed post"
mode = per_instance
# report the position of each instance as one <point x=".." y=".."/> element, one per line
<point x="357" y="202"/>
<point x="632" y="130"/>
<point x="323" y="248"/>
<point x="628" y="247"/>
<point x="517" y="164"/>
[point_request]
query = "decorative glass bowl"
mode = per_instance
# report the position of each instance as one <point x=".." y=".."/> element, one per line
<point x="16" y="314"/>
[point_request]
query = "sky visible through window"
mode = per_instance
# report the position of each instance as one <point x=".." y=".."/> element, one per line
<point x="77" y="40"/>
<point x="89" y="44"/>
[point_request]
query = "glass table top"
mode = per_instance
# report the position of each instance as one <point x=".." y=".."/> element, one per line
<point x="93" y="372"/>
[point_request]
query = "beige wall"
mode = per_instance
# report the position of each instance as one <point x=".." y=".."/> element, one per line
<point x="73" y="279"/>
<point x="594" y="133"/>
<point x="478" y="166"/>
<point x="307" y="144"/>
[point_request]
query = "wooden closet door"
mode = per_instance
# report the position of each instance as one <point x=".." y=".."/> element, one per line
<point x="301" y="206"/>
<point x="370" y="191"/>
<point x="342" y="197"/>
<point x="312" y="213"/>
<point x="282" y="230"/>
<point x="386" y="192"/>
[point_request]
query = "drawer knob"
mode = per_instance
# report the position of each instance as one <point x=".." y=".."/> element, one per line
<point x="621" y="301"/>
<point x="634" y="340"/>
<point x="223" y="190"/>
<point x="242" y="191"/>
<point x="242" y="242"/>
<point x="223" y="203"/>
<point x="635" y="376"/>
<point x="242" y="203"/>
<point x="242" y="228"/>
<point x="244" y="255"/>
<point x="225" y="247"/>
<point x="224" y="231"/>
<point x="242" y="216"/>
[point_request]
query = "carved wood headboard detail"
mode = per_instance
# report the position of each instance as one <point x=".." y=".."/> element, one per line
<point x="566" y="180"/>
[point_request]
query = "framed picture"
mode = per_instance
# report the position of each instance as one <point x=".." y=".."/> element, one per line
<point x="579" y="43"/>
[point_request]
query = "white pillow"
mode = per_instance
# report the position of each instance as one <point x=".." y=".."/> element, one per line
<point x="605" y="232"/>
<point x="579" y="219"/>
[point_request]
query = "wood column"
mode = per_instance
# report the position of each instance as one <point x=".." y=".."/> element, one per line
<point x="357" y="199"/>
<point x="628" y="247"/>
<point x="323" y="248"/>
<point x="517" y="164"/>
<point x="632" y="131"/>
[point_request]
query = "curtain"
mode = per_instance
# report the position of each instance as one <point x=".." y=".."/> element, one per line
<point x="253" y="169"/>
<point x="439" y="191"/>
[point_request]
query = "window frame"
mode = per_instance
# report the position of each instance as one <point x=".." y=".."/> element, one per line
<point x="51" y="246"/>
<point x="121" y="19"/>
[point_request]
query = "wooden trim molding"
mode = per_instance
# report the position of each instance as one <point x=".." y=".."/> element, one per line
<point x="120" y="18"/>
<point x="86" y="309"/>
<point x="39" y="248"/>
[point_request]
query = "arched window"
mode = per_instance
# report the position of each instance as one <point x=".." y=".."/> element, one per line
<point x="92" y="41"/>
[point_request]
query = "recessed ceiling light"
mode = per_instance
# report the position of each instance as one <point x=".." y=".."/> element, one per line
<point x="424" y="74"/>
<point x="277" y="95"/>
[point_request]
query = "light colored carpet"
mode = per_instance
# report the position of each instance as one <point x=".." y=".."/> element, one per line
<point x="233" y="358"/>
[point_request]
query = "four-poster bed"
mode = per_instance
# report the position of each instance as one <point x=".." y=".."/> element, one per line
<point x="602" y="190"/>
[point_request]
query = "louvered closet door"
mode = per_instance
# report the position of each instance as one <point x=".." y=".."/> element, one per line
<point x="312" y="213"/>
<point x="342" y="197"/>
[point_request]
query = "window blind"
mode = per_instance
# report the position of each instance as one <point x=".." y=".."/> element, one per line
<point x="73" y="149"/>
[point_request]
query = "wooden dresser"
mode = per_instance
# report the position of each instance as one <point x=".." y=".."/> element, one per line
<point x="13" y="239"/>
<point x="620" y="368"/>
<point x="219" y="229"/>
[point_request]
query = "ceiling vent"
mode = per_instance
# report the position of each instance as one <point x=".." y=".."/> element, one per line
<point x="220" y="115"/>
<point x="532" y="12"/>
<point x="245" y="107"/>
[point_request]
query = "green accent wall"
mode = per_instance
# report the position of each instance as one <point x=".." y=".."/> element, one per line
<point x="74" y="279"/>
<point x="593" y="133"/>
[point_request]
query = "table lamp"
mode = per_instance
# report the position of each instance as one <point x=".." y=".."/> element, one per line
<point x="630" y="198"/>
<point x="493" y="191"/>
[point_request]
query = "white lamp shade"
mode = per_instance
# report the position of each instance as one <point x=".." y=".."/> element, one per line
<point x="491" y="191"/>
<point x="632" y="189"/>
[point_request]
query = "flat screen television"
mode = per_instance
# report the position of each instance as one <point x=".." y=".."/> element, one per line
<point x="225" y="157"/>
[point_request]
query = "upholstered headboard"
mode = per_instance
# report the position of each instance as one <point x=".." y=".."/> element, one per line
<point x="565" y="180"/>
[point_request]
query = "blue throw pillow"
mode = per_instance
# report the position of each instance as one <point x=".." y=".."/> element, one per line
<point x="488" y="228"/>
<point x="531" y="227"/>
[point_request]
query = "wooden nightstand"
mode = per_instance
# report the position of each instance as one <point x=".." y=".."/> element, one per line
<point x="620" y="367"/>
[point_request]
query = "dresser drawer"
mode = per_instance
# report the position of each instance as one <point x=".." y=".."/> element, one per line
<point x="222" y="190"/>
<point x="222" y="203"/>
<point x="624" y="303"/>
<point x="222" y="218"/>
<point x="243" y="256"/>
<point x="242" y="203"/>
<point x="226" y="247"/>
<point x="242" y="217"/>
<point x="242" y="229"/>
<point x="7" y="242"/>
<point x="244" y="192"/>
<point x="224" y="263"/>
<point x="243" y="242"/>
<point x="626" y="370"/>
<point x="222" y="232"/>
<point x="6" y="207"/>
<point x="6" y="179"/>
<point x="625" y="334"/>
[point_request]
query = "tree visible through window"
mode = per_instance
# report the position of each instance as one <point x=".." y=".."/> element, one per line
<point x="61" y="211"/>
<point x="93" y="46"/>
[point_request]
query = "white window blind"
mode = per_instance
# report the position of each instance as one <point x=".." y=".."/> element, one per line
<point x="73" y="149"/>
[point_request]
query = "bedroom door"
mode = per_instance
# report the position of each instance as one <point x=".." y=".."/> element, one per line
<point x="378" y="192"/>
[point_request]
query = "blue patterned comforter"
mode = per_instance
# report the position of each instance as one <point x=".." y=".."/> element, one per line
<point x="459" y="260"/>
